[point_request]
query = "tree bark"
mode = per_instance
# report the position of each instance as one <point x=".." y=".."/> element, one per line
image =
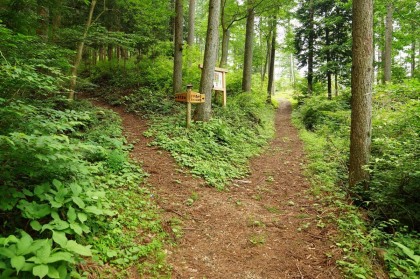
<point x="249" y="48"/>
<point x="413" y="57"/>
<point x="361" y="89"/>
<point x="225" y="48"/>
<point x="267" y="58"/>
<point x="191" y="22"/>
<point x="79" y="53"/>
<point x="329" y="81"/>
<point x="43" y="20"/>
<point x="388" y="42"/>
<point x="203" y="111"/>
<point x="292" y="70"/>
<point x="110" y="50"/>
<point x="336" y="83"/>
<point x="270" y="88"/>
<point x="311" y="38"/>
<point x="177" y="75"/>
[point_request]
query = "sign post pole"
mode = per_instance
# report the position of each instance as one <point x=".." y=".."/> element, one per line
<point x="189" y="97"/>
<point x="189" y="88"/>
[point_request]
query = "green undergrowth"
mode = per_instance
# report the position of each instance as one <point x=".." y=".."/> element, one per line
<point x="217" y="150"/>
<point x="72" y="202"/>
<point x="378" y="225"/>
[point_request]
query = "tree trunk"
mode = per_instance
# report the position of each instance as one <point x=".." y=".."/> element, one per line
<point x="203" y="111"/>
<point x="249" y="47"/>
<point x="413" y="56"/>
<point x="311" y="47"/>
<point x="388" y="42"/>
<point x="177" y="75"/>
<point x="270" y="88"/>
<point x="110" y="53"/>
<point x="94" y="57"/>
<point x="292" y="70"/>
<point x="361" y="89"/>
<point x="43" y="20"/>
<point x="336" y="83"/>
<point x="79" y="52"/>
<point x="191" y="23"/>
<point x="225" y="48"/>
<point x="267" y="58"/>
<point x="56" y="20"/>
<point x="329" y="83"/>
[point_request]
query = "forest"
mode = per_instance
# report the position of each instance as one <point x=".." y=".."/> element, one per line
<point x="317" y="144"/>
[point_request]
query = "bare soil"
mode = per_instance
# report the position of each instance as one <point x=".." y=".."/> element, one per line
<point x="264" y="226"/>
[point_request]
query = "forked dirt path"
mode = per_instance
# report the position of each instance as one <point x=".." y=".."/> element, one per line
<point x="264" y="226"/>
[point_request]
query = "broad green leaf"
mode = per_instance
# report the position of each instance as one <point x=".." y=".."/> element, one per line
<point x="96" y="195"/>
<point x="80" y="203"/>
<point x="408" y="252"/>
<point x="17" y="262"/>
<point x="24" y="243"/>
<point x="94" y="210"/>
<point x="9" y="239"/>
<point x="40" y="270"/>
<point x="71" y="214"/>
<point x="7" y="252"/>
<point x="75" y="247"/>
<point x="76" y="189"/>
<point x="3" y="265"/>
<point x="60" y="238"/>
<point x="34" y="210"/>
<point x="59" y="225"/>
<point x="85" y="228"/>
<point x="56" y="204"/>
<point x="28" y="267"/>
<point x="53" y="272"/>
<point x="55" y="215"/>
<point x="40" y="190"/>
<point x="37" y="244"/>
<point x="82" y="217"/>
<point x="61" y="256"/>
<point x="27" y="193"/>
<point x="44" y="252"/>
<point x="62" y="270"/>
<point x="76" y="228"/>
<point x="35" y="225"/>
<point x="58" y="185"/>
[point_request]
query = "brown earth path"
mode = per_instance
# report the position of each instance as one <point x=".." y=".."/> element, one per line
<point x="264" y="226"/>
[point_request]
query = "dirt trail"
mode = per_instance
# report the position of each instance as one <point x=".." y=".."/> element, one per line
<point x="264" y="226"/>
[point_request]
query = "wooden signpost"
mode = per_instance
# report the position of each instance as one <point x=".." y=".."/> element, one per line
<point x="189" y="97"/>
<point x="219" y="82"/>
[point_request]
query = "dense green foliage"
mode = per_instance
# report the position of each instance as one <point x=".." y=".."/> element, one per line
<point x="29" y="65"/>
<point x="218" y="150"/>
<point x="392" y="197"/>
<point x="64" y="168"/>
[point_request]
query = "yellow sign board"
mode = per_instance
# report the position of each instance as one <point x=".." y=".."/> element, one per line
<point x="190" y="97"/>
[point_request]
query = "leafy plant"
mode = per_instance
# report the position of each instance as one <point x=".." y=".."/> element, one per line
<point x="217" y="150"/>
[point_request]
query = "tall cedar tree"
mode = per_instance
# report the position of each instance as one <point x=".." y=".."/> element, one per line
<point x="249" y="48"/>
<point x="361" y="89"/>
<point x="203" y="111"/>
<point x="177" y="74"/>
<point x="388" y="42"/>
<point x="304" y="40"/>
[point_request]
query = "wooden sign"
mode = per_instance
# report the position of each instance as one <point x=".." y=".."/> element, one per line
<point x="190" y="97"/>
<point x="219" y="82"/>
